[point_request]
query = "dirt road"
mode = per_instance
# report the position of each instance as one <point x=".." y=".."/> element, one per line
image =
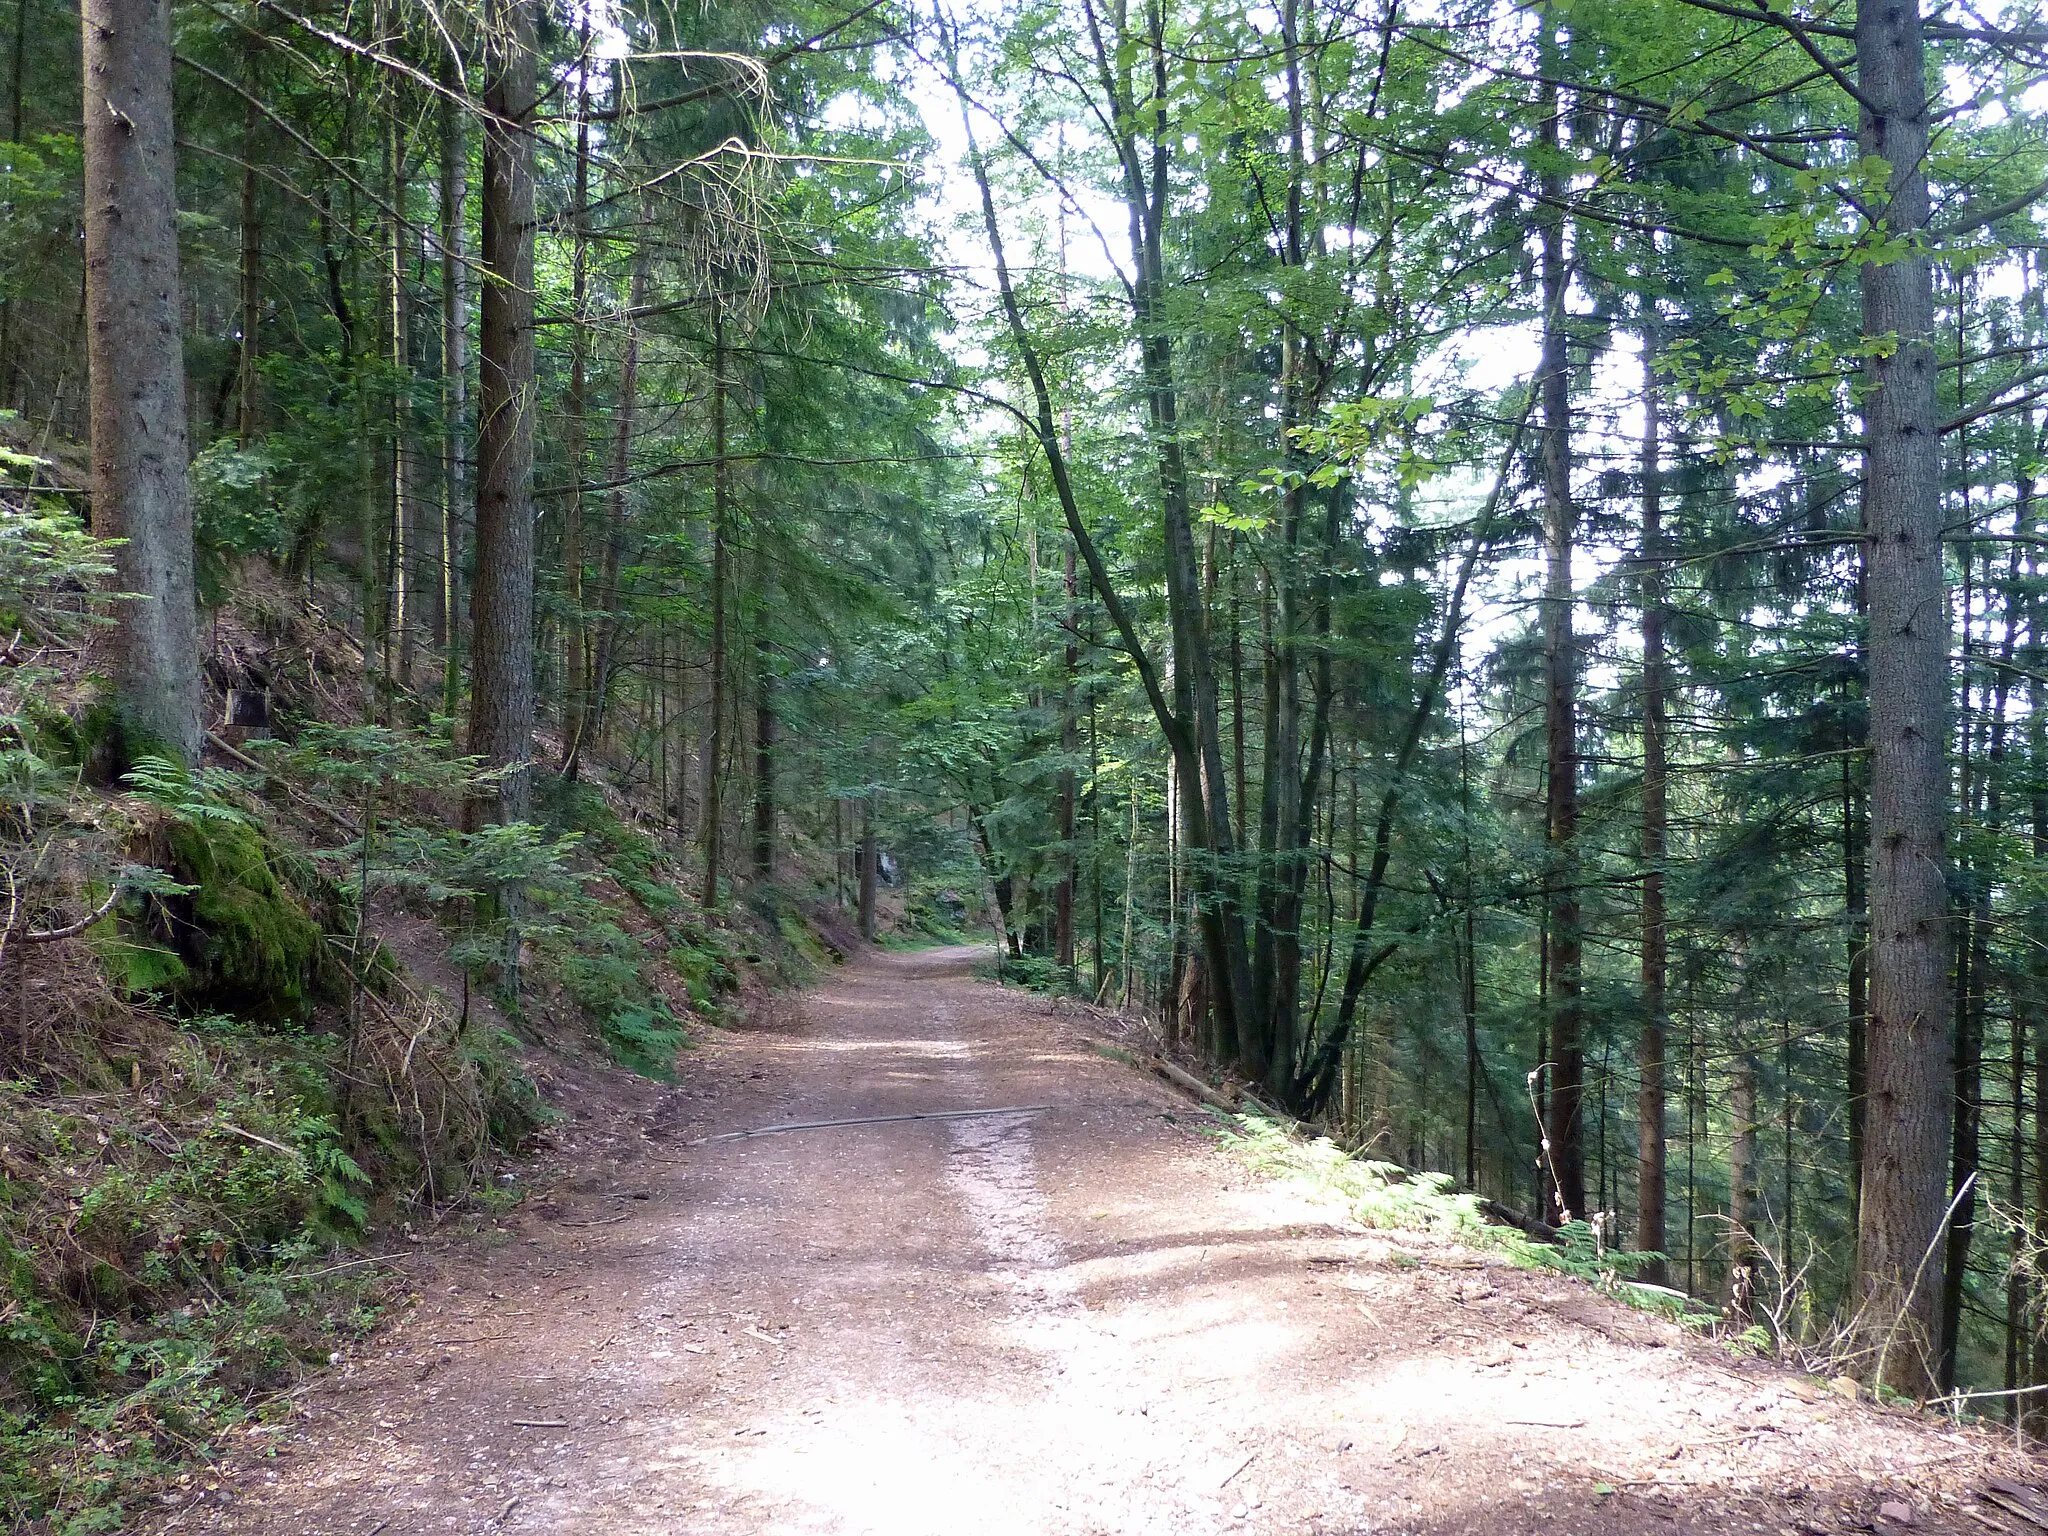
<point x="1079" y="1318"/>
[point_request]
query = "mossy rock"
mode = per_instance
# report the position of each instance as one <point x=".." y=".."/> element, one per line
<point x="258" y="943"/>
<point x="85" y="736"/>
<point x="138" y="966"/>
<point x="245" y="937"/>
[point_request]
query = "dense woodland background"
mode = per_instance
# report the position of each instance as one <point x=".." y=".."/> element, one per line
<point x="1479" y="562"/>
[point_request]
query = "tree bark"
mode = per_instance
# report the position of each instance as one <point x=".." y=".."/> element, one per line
<point x="1468" y="961"/>
<point x="1292" y="783"/>
<point x="1319" y="1077"/>
<point x="764" y="737"/>
<point x="610" y="621"/>
<point x="137" y="362"/>
<point x="454" y="192"/>
<point x="1971" y="962"/>
<point x="1560" y="695"/>
<point x="248" y="352"/>
<point x="399" y="601"/>
<point x="1650" y="1065"/>
<point x="501" y="681"/>
<point x="867" y="871"/>
<point x="1743" y="1182"/>
<point x="1205" y="792"/>
<point x="714" y="724"/>
<point x="1856" y="909"/>
<point x="2036" y="978"/>
<point x="1070" y="744"/>
<point x="1898" y="1264"/>
<point x="577" y="659"/>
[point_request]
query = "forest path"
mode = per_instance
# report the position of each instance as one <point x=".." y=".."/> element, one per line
<point x="1078" y="1320"/>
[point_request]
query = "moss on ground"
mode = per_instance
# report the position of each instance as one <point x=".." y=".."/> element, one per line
<point x="254" y="939"/>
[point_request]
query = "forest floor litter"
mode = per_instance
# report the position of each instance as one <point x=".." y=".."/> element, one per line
<point x="1078" y="1315"/>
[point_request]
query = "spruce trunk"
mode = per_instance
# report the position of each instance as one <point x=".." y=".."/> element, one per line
<point x="1560" y="709"/>
<point x="1650" y="1128"/>
<point x="454" y="191"/>
<point x="501" y="681"/>
<point x="1898" y="1259"/>
<point x="135" y="341"/>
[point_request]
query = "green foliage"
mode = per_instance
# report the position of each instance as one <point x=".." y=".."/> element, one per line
<point x="645" y="1038"/>
<point x="514" y="1109"/>
<point x="257" y="946"/>
<point x="1387" y="1196"/>
<point x="136" y="966"/>
<point x="1378" y="1194"/>
<point x="630" y="856"/>
<point x="1035" y="973"/>
<point x="1580" y="1253"/>
<point x="235" y="512"/>
<point x="44" y="551"/>
<point x="704" y="961"/>
<point x="807" y="956"/>
<point x="603" y="974"/>
<point x="175" y="1263"/>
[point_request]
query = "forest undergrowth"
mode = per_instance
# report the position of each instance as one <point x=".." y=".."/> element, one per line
<point x="229" y="1097"/>
<point x="1388" y="1197"/>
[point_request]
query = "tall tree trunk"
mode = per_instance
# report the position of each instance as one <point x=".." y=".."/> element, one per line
<point x="501" y="682"/>
<point x="135" y="347"/>
<point x="1898" y="1265"/>
<point x="249" y="352"/>
<point x="610" y="621"/>
<point x="1302" y="376"/>
<point x="1468" y="957"/>
<point x="364" y="358"/>
<point x="1650" y="1129"/>
<point x="1319" y="1076"/>
<point x="1560" y="691"/>
<point x="1743" y="1184"/>
<point x="1856" y="909"/>
<point x="1965" y="1147"/>
<point x="2023" y="1290"/>
<point x="867" y="871"/>
<point x="399" y="601"/>
<point x="14" y="120"/>
<point x="1205" y="792"/>
<point x="577" y="660"/>
<point x="721" y="536"/>
<point x="1070" y="744"/>
<point x="2036" y="977"/>
<point x="1237" y="760"/>
<point x="764" y="735"/>
<point x="454" y="192"/>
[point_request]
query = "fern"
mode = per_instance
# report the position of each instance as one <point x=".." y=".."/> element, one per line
<point x="196" y="797"/>
<point x="645" y="1039"/>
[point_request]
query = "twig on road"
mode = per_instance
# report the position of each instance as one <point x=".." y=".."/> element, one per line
<point x="825" y="1125"/>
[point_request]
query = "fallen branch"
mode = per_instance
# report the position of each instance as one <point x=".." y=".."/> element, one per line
<point x="297" y="795"/>
<point x="1508" y="1216"/>
<point x="375" y="1258"/>
<point x="1190" y="1084"/>
<point x="262" y="1141"/>
<point x="72" y="930"/>
<point x="824" y="1125"/>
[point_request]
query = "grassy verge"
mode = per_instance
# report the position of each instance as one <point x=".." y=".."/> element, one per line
<point x="176" y="1228"/>
<point x="1386" y="1196"/>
